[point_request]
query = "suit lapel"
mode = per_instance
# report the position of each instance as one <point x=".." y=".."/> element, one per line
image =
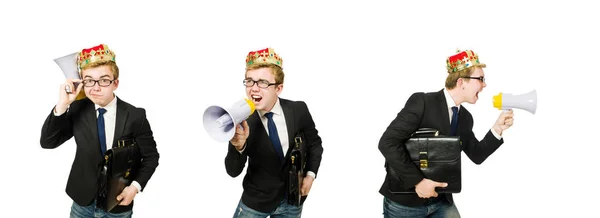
<point x="443" y="112"/>
<point x="92" y="123"/>
<point x="120" y="121"/>
<point x="290" y="124"/>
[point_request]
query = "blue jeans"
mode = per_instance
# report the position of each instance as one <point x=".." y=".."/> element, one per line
<point x="91" y="210"/>
<point x="439" y="208"/>
<point x="284" y="210"/>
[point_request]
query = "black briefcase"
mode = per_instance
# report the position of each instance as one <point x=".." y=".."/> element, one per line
<point x="120" y="166"/>
<point x="437" y="156"/>
<point x="296" y="173"/>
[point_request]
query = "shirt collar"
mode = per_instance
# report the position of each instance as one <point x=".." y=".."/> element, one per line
<point x="449" y="100"/>
<point x="276" y="109"/>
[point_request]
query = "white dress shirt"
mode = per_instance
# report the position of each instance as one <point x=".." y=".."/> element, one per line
<point x="279" y="120"/>
<point x="451" y="103"/>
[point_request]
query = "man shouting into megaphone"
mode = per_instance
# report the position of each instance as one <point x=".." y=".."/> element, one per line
<point x="268" y="138"/>
<point x="440" y="110"/>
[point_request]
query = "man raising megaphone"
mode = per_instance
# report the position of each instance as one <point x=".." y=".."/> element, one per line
<point x="442" y="111"/>
<point x="271" y="138"/>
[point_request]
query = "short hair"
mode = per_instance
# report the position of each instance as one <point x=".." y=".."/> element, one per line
<point x="275" y="70"/>
<point x="452" y="78"/>
<point x="113" y="66"/>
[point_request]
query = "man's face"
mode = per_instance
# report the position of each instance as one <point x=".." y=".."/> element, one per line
<point x="263" y="97"/>
<point x="472" y="87"/>
<point x="101" y="93"/>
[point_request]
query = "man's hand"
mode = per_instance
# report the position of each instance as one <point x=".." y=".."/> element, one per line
<point x="426" y="188"/>
<point x="505" y="120"/>
<point x="242" y="131"/>
<point x="126" y="197"/>
<point x="64" y="98"/>
<point x="306" y="185"/>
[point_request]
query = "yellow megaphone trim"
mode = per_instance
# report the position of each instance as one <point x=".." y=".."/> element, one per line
<point x="252" y="106"/>
<point x="497" y="101"/>
<point x="80" y="95"/>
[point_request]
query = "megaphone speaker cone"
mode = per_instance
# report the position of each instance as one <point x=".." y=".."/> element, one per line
<point x="220" y="123"/>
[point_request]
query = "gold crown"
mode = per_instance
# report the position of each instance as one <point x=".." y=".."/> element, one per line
<point x="264" y="56"/>
<point x="462" y="60"/>
<point x="94" y="54"/>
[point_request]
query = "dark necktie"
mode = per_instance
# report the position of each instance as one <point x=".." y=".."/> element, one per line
<point x="454" y="123"/>
<point x="101" y="130"/>
<point x="274" y="136"/>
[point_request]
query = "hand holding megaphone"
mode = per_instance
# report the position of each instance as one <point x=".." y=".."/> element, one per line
<point x="69" y="67"/>
<point x="504" y="121"/>
<point x="68" y="64"/>
<point x="65" y="94"/>
<point x="66" y="98"/>
<point x="222" y="124"/>
<point x="507" y="102"/>
<point x="242" y="131"/>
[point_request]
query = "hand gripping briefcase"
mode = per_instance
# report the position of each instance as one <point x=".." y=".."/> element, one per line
<point x="437" y="156"/>
<point x="120" y="166"/>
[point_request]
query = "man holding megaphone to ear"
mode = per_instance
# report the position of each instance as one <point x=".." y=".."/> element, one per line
<point x="271" y="139"/>
<point x="442" y="111"/>
<point x="104" y="180"/>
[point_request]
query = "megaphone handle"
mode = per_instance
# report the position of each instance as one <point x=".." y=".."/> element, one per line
<point x="241" y="125"/>
<point x="68" y="88"/>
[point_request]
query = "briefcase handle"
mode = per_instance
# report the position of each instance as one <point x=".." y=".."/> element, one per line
<point x="426" y="131"/>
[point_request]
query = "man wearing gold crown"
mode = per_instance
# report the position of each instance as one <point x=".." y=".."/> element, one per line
<point x="266" y="139"/>
<point x="97" y="121"/>
<point x="440" y="110"/>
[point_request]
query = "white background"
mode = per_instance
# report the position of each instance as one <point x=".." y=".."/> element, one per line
<point x="354" y="64"/>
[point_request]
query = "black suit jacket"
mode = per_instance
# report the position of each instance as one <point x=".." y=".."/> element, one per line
<point x="80" y="122"/>
<point x="427" y="110"/>
<point x="265" y="180"/>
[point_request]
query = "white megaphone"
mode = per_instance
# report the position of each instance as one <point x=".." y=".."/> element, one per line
<point x="220" y="123"/>
<point x="527" y="101"/>
<point x="68" y="65"/>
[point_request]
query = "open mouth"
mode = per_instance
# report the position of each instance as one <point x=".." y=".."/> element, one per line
<point x="477" y="94"/>
<point x="256" y="98"/>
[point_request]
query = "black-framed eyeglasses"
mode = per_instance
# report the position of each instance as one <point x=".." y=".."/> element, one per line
<point x="101" y="82"/>
<point x="480" y="78"/>
<point x="260" y="83"/>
